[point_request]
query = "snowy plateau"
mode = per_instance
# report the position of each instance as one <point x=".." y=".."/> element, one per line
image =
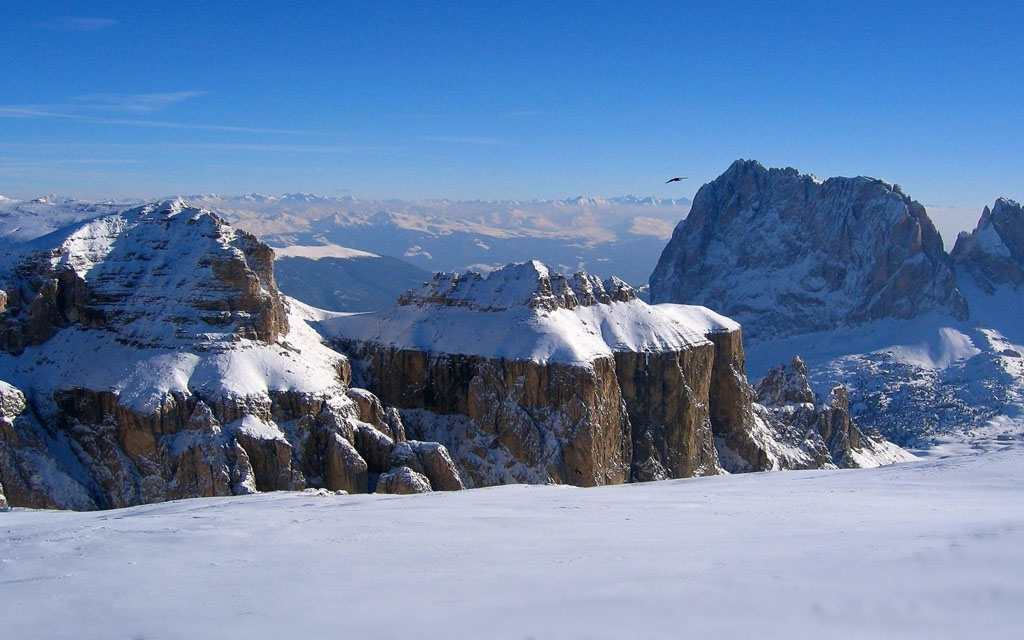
<point x="154" y="353"/>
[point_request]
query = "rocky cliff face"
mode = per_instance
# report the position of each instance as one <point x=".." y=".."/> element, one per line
<point x="150" y="356"/>
<point x="514" y="373"/>
<point x="785" y="254"/>
<point x="993" y="254"/>
<point x="557" y="422"/>
<point x="530" y="376"/>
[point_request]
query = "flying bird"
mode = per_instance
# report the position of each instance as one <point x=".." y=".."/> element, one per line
<point x="675" y="179"/>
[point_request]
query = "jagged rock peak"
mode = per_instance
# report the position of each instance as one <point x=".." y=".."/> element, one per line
<point x="784" y="253"/>
<point x="785" y="385"/>
<point x="994" y="252"/>
<point x="157" y="275"/>
<point x="824" y="432"/>
<point x="531" y="284"/>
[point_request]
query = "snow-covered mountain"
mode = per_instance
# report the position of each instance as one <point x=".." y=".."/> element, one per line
<point x="786" y="254"/>
<point x="850" y="275"/>
<point x="527" y="375"/>
<point x="148" y="355"/>
<point x="609" y="236"/>
<point x="22" y="220"/>
<point x="993" y="254"/>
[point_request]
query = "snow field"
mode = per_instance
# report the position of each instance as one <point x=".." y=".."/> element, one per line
<point x="930" y="549"/>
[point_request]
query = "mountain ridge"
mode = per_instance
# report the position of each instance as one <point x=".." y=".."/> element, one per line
<point x="933" y="375"/>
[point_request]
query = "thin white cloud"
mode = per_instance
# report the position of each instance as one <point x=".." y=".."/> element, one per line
<point x="18" y="111"/>
<point x="207" y="146"/>
<point x="62" y="162"/>
<point x="525" y="113"/>
<point x="283" y="148"/>
<point x="135" y="102"/>
<point x="463" y="140"/>
<point x="76" y="23"/>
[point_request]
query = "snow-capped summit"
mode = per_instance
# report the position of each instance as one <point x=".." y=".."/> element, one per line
<point x="786" y="254"/>
<point x="158" y="275"/>
<point x="148" y="355"/>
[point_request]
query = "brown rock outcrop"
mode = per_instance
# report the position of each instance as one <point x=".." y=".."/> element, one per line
<point x="742" y="446"/>
<point x="193" y="447"/>
<point x="403" y="480"/>
<point x="565" y="422"/>
<point x="429" y="458"/>
<point x="667" y="398"/>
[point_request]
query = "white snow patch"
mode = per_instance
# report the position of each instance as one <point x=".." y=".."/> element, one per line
<point x="317" y="252"/>
<point x="417" y="251"/>
<point x="699" y="318"/>
<point x="254" y="427"/>
<point x="950" y="345"/>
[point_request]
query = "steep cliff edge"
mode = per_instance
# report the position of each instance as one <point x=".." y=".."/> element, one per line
<point x="527" y="375"/>
<point x="150" y="356"/>
<point x="785" y="254"/>
<point x="530" y="376"/>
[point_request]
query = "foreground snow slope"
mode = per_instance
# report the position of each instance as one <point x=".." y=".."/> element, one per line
<point x="927" y="549"/>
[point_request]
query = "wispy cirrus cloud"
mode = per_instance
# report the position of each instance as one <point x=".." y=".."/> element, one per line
<point x="288" y="148"/>
<point x="135" y="102"/>
<point x="53" y="111"/>
<point x="463" y="140"/>
<point x="525" y="113"/>
<point x="76" y="23"/>
<point x="354" y="149"/>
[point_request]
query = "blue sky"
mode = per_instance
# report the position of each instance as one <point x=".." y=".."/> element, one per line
<point x="517" y="100"/>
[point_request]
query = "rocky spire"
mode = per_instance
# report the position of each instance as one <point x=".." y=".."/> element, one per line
<point x="993" y="254"/>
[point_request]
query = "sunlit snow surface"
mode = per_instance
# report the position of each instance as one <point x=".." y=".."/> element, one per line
<point x="931" y="549"/>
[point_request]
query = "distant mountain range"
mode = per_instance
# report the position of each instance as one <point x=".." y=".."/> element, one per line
<point x="148" y="353"/>
<point x="606" y="236"/>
